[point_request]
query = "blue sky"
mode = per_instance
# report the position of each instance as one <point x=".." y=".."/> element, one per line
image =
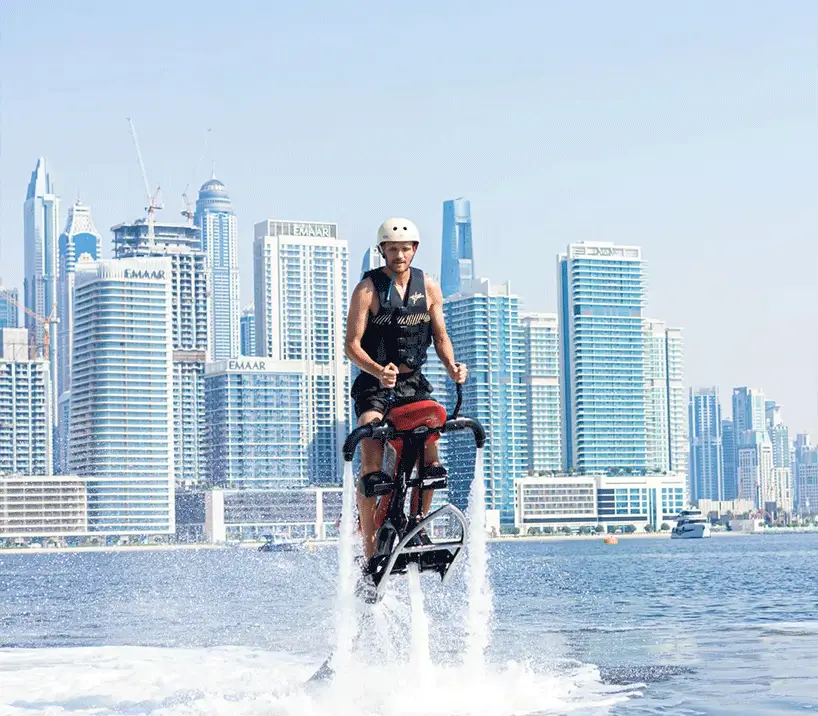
<point x="687" y="128"/>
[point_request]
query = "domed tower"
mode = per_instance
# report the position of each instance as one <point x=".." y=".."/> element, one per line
<point x="217" y="222"/>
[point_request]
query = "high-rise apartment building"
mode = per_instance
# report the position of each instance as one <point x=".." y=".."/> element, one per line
<point x="483" y="323"/>
<point x="190" y="326"/>
<point x="25" y="409"/>
<point x="706" y="445"/>
<point x="257" y="423"/>
<point x="122" y="393"/>
<point x="542" y="381"/>
<point x="301" y="296"/>
<point x="601" y="296"/>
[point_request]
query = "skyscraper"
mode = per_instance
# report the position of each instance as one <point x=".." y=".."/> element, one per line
<point x="189" y="287"/>
<point x="372" y="260"/>
<point x="729" y="455"/>
<point x="677" y="403"/>
<point x="542" y="380"/>
<point x="122" y="398"/>
<point x="779" y="435"/>
<point x="9" y="313"/>
<point x="215" y="217"/>
<point x="484" y="325"/>
<point x="301" y="294"/>
<point x="601" y="296"/>
<point x="755" y="468"/>
<point x="706" y="456"/>
<point x="25" y="411"/>
<point x="457" y="254"/>
<point x="749" y="411"/>
<point x="665" y="414"/>
<point x="79" y="239"/>
<point x="248" y="331"/>
<point x="657" y="420"/>
<point x="41" y="225"/>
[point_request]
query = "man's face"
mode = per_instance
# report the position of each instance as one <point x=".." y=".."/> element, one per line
<point x="398" y="255"/>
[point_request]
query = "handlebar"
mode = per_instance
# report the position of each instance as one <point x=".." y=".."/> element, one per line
<point x="459" y="388"/>
<point x="384" y="430"/>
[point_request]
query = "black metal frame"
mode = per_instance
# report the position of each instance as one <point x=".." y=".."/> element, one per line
<point x="390" y="558"/>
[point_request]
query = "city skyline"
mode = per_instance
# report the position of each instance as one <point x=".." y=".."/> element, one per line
<point x="644" y="147"/>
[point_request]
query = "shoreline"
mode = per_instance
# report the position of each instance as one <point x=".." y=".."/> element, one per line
<point x="316" y="544"/>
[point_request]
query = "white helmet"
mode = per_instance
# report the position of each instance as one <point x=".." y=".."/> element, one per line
<point x="398" y="230"/>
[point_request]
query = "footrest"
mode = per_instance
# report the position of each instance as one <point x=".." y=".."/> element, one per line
<point x="435" y="478"/>
<point x="376" y="484"/>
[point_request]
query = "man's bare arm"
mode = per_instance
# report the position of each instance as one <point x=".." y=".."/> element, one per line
<point x="357" y="318"/>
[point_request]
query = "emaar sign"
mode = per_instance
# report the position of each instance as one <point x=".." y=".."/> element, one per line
<point x="136" y="273"/>
<point x="245" y="365"/>
<point x="319" y="230"/>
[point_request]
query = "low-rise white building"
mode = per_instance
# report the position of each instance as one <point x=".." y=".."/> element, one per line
<point x="221" y="515"/>
<point x="589" y="500"/>
<point x="42" y="506"/>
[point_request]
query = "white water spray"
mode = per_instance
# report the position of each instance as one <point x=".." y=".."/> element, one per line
<point x="345" y="617"/>
<point x="480" y="599"/>
<point x="420" y="622"/>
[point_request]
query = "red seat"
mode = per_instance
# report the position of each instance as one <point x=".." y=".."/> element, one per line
<point x="422" y="412"/>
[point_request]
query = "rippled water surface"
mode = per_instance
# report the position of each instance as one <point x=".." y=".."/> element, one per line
<point x="721" y="626"/>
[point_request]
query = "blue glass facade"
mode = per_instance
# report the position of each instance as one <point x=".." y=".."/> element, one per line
<point x="485" y="330"/>
<point x="121" y="435"/>
<point x="248" y="331"/>
<point x="706" y="445"/>
<point x="457" y="253"/>
<point x="9" y="313"/>
<point x="602" y="373"/>
<point x="256" y="425"/>
<point x="728" y="457"/>
<point x="219" y="240"/>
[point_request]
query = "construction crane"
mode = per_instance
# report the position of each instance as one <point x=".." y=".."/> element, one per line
<point x="153" y="201"/>
<point x="186" y="212"/>
<point x="47" y="323"/>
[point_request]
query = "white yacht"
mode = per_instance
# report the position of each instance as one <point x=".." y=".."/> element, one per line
<point x="690" y="525"/>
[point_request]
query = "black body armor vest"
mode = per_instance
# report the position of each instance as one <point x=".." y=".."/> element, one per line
<point x="401" y="331"/>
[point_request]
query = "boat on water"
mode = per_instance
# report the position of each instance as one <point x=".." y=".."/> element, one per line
<point x="277" y="543"/>
<point x="690" y="525"/>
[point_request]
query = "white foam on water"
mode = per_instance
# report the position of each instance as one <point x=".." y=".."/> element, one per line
<point x="239" y="681"/>
<point x="478" y="620"/>
<point x="345" y="608"/>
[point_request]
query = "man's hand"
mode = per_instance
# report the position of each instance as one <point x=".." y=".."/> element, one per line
<point x="389" y="376"/>
<point x="458" y="372"/>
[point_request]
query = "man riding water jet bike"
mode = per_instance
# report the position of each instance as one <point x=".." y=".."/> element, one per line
<point x="395" y="314"/>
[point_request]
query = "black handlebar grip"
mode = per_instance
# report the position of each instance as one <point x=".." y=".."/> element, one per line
<point x="354" y="438"/>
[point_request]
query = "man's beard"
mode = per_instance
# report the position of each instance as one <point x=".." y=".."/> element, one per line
<point x="399" y="268"/>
